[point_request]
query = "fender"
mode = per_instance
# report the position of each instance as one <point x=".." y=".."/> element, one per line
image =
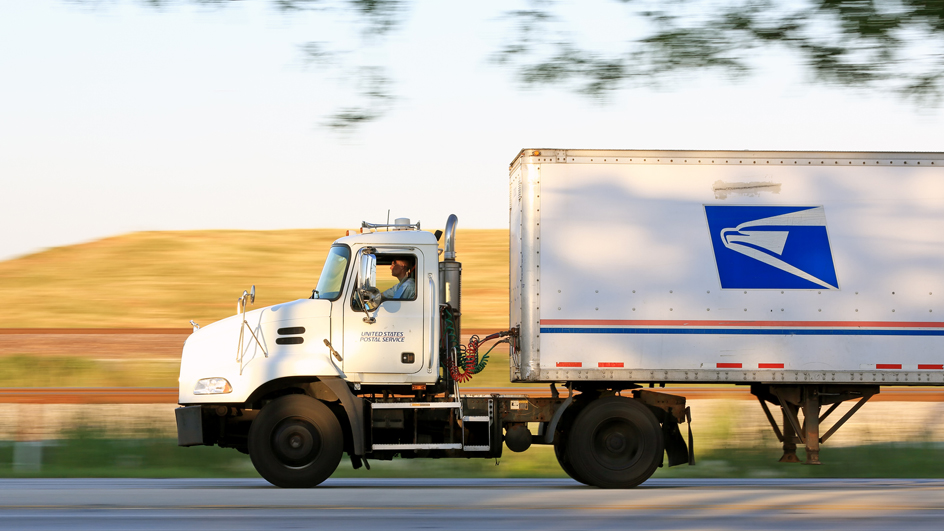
<point x="353" y="406"/>
<point x="552" y="425"/>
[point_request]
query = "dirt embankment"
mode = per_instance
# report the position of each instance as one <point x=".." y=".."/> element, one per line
<point x="94" y="343"/>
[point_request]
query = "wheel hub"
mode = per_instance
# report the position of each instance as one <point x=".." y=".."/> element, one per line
<point x="296" y="442"/>
<point x="616" y="444"/>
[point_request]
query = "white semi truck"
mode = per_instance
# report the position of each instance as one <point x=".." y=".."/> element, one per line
<point x="814" y="277"/>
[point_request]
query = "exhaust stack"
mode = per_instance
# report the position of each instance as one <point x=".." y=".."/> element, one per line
<point x="450" y="252"/>
<point x="450" y="271"/>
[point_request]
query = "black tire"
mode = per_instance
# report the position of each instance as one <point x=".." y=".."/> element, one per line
<point x="560" y="451"/>
<point x="615" y="443"/>
<point x="295" y="442"/>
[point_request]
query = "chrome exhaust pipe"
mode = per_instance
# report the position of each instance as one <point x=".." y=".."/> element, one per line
<point x="450" y="249"/>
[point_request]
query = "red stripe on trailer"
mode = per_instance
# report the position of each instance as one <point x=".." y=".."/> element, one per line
<point x="729" y="365"/>
<point x="931" y="367"/>
<point x="569" y="364"/>
<point x="770" y="365"/>
<point x="888" y="365"/>
<point x="776" y="324"/>
<point x="610" y="364"/>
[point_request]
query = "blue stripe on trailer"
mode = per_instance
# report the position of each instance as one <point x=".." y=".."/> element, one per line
<point x="744" y="331"/>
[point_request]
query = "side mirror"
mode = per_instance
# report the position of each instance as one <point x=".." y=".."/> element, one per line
<point x="367" y="278"/>
<point x="246" y="298"/>
<point x="367" y="283"/>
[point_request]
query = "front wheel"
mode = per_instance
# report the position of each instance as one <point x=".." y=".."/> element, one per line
<point x="295" y="442"/>
<point x="615" y="443"/>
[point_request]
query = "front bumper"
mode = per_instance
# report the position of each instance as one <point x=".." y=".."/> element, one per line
<point x="190" y="430"/>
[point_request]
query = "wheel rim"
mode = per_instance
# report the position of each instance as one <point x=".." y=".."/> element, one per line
<point x="616" y="444"/>
<point x="296" y="442"/>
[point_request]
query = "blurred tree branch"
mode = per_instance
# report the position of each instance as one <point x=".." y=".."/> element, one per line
<point x="883" y="45"/>
<point x="895" y="45"/>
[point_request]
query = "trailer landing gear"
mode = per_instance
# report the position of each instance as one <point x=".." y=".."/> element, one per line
<point x="810" y="399"/>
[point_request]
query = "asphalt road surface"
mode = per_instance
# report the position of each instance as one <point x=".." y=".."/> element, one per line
<point x="471" y="504"/>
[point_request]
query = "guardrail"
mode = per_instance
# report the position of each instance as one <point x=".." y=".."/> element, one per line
<point x="168" y="395"/>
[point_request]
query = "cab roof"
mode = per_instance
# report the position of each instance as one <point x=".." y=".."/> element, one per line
<point x="394" y="237"/>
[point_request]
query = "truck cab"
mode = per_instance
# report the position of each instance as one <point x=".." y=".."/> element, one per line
<point x="331" y="334"/>
<point x="393" y="341"/>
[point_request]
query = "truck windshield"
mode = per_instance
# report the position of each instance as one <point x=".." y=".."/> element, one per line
<point x="332" y="274"/>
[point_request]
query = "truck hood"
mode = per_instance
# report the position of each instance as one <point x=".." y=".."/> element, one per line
<point x="286" y="311"/>
<point x="282" y="340"/>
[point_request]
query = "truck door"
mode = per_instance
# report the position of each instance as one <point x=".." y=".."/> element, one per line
<point x="394" y="343"/>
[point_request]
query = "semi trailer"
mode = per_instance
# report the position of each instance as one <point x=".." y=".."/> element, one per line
<point x="812" y="277"/>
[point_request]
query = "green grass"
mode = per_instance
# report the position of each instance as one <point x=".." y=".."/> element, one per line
<point x="120" y="458"/>
<point x="85" y="454"/>
<point x="918" y="460"/>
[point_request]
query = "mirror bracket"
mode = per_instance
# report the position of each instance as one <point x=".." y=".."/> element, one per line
<point x="369" y="319"/>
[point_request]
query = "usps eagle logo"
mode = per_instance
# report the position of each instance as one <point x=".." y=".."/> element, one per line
<point x="771" y="247"/>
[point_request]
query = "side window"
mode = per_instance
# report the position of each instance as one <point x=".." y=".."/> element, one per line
<point x="396" y="278"/>
<point x="400" y="283"/>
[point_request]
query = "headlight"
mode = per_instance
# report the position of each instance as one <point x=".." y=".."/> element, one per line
<point x="212" y="386"/>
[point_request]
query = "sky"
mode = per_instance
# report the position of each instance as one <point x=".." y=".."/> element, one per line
<point x="121" y="118"/>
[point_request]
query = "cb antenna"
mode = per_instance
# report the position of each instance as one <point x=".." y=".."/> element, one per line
<point x="388" y="220"/>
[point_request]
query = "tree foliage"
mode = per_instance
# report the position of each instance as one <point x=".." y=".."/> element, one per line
<point x="882" y="45"/>
<point x="895" y="45"/>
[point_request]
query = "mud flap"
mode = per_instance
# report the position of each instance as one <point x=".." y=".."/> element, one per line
<point x="691" y="442"/>
<point x="669" y="410"/>
<point x="675" y="446"/>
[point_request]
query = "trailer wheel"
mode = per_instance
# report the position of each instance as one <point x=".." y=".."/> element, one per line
<point x="615" y="443"/>
<point x="560" y="451"/>
<point x="295" y="442"/>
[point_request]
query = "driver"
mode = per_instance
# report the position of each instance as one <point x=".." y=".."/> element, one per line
<point x="402" y="268"/>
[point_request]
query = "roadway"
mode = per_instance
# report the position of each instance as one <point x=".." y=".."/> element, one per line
<point x="471" y="504"/>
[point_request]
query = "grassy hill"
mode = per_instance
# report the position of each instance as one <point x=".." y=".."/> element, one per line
<point x="164" y="279"/>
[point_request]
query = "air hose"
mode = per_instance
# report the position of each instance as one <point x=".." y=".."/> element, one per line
<point x="462" y="361"/>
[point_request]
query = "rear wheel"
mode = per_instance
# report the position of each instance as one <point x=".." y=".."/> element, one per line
<point x="295" y="442"/>
<point x="560" y="451"/>
<point x="614" y="443"/>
